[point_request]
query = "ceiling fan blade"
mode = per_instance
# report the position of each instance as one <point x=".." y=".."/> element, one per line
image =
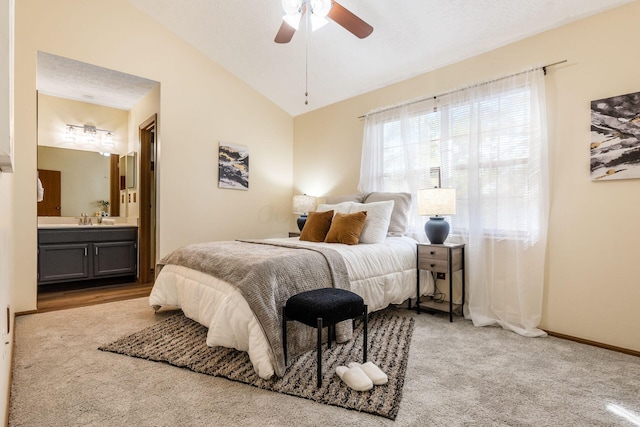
<point x="349" y="21"/>
<point x="285" y="33"/>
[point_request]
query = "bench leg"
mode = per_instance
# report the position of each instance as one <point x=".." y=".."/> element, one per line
<point x="284" y="336"/>
<point x="364" y="336"/>
<point x="319" y="351"/>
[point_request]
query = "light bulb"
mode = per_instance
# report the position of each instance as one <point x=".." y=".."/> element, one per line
<point x="321" y="8"/>
<point x="291" y="7"/>
<point x="71" y="134"/>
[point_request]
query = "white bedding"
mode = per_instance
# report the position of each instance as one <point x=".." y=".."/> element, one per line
<point x="382" y="274"/>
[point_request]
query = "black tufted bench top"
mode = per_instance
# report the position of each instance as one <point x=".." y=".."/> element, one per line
<point x="331" y="304"/>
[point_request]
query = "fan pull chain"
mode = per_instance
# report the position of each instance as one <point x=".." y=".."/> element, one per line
<point x="306" y="60"/>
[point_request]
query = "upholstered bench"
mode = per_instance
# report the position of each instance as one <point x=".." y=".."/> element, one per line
<point x="324" y="307"/>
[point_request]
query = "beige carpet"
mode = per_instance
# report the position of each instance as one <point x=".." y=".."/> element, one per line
<point x="181" y="342"/>
<point x="457" y="375"/>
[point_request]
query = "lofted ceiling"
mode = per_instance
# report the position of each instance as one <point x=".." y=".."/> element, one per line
<point x="410" y="37"/>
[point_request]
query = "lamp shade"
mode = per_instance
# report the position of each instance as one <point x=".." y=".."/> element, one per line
<point x="437" y="201"/>
<point x="303" y="204"/>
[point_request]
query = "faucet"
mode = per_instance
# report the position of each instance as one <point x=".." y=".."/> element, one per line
<point x="84" y="219"/>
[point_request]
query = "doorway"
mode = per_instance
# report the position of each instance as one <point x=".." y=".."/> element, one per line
<point x="148" y="225"/>
<point x="76" y="81"/>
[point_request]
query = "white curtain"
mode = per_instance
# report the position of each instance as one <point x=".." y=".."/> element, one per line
<point x="490" y="143"/>
<point x="396" y="155"/>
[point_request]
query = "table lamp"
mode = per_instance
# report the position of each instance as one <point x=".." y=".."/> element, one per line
<point x="302" y="205"/>
<point x="437" y="202"/>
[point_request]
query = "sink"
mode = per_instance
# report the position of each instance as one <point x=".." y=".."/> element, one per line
<point x="84" y="226"/>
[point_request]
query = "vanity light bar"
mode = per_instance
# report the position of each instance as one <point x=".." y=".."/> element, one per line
<point x="88" y="129"/>
<point x="91" y="132"/>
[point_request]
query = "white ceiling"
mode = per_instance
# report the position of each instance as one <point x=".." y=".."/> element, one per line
<point x="410" y="37"/>
<point x="68" y="78"/>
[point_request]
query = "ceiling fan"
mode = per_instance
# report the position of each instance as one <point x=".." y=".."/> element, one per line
<point x="319" y="10"/>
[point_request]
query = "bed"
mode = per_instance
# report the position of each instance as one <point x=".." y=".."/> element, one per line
<point x="382" y="271"/>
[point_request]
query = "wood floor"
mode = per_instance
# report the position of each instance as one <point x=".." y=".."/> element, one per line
<point x="70" y="297"/>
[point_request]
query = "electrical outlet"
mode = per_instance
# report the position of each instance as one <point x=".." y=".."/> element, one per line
<point x="441" y="276"/>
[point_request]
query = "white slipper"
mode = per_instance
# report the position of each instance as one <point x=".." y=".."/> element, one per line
<point x="374" y="373"/>
<point x="355" y="378"/>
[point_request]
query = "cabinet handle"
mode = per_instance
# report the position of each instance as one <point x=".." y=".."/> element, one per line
<point x="432" y="252"/>
<point x="85" y="251"/>
<point x="433" y="265"/>
<point x="96" y="251"/>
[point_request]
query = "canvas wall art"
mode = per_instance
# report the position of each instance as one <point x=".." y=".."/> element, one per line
<point x="615" y="137"/>
<point x="233" y="166"/>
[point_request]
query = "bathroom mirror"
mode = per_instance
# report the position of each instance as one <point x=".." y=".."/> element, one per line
<point x="82" y="179"/>
<point x="131" y="170"/>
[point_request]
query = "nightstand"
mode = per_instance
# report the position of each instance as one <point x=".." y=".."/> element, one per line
<point x="445" y="258"/>
<point x="294" y="234"/>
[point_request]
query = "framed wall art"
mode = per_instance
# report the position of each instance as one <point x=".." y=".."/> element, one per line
<point x="615" y="137"/>
<point x="233" y="166"/>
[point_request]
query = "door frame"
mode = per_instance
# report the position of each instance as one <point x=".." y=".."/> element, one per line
<point x="144" y="236"/>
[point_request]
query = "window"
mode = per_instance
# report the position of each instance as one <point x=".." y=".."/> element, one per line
<point x="482" y="147"/>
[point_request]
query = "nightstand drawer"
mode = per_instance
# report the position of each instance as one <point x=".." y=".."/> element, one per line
<point x="433" y="252"/>
<point x="437" y="265"/>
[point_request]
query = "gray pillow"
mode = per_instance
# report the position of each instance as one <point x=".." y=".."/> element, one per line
<point x="358" y="198"/>
<point x="400" y="214"/>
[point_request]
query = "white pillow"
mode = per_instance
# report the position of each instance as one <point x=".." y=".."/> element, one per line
<point x="377" y="222"/>
<point x="343" y="207"/>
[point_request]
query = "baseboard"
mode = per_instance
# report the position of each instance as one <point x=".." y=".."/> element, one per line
<point x="594" y="343"/>
<point x="22" y="313"/>
<point x="13" y="344"/>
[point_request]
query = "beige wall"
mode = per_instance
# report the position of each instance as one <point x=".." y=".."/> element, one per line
<point x="592" y="286"/>
<point x="139" y="114"/>
<point x="200" y="104"/>
<point x="6" y="201"/>
<point x="7" y="270"/>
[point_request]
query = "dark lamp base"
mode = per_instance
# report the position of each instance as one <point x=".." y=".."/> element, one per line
<point x="301" y="220"/>
<point x="437" y="230"/>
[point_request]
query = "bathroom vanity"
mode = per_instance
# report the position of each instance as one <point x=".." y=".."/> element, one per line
<point x="70" y="253"/>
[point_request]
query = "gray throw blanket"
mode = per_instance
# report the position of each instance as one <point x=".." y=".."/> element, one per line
<point x="267" y="274"/>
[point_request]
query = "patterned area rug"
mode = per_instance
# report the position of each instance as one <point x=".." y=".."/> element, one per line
<point x="181" y="342"/>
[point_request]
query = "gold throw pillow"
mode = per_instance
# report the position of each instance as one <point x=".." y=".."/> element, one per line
<point x="316" y="227"/>
<point x="346" y="228"/>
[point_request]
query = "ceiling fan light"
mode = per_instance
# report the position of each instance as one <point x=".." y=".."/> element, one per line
<point x="293" y="20"/>
<point x="291" y="7"/>
<point x="321" y="8"/>
<point x="317" y="22"/>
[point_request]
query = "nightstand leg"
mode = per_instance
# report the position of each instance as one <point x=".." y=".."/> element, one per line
<point x="464" y="271"/>
<point x="450" y="285"/>
<point x="417" y="286"/>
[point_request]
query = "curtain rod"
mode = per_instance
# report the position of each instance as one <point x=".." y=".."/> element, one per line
<point x="415" y="101"/>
